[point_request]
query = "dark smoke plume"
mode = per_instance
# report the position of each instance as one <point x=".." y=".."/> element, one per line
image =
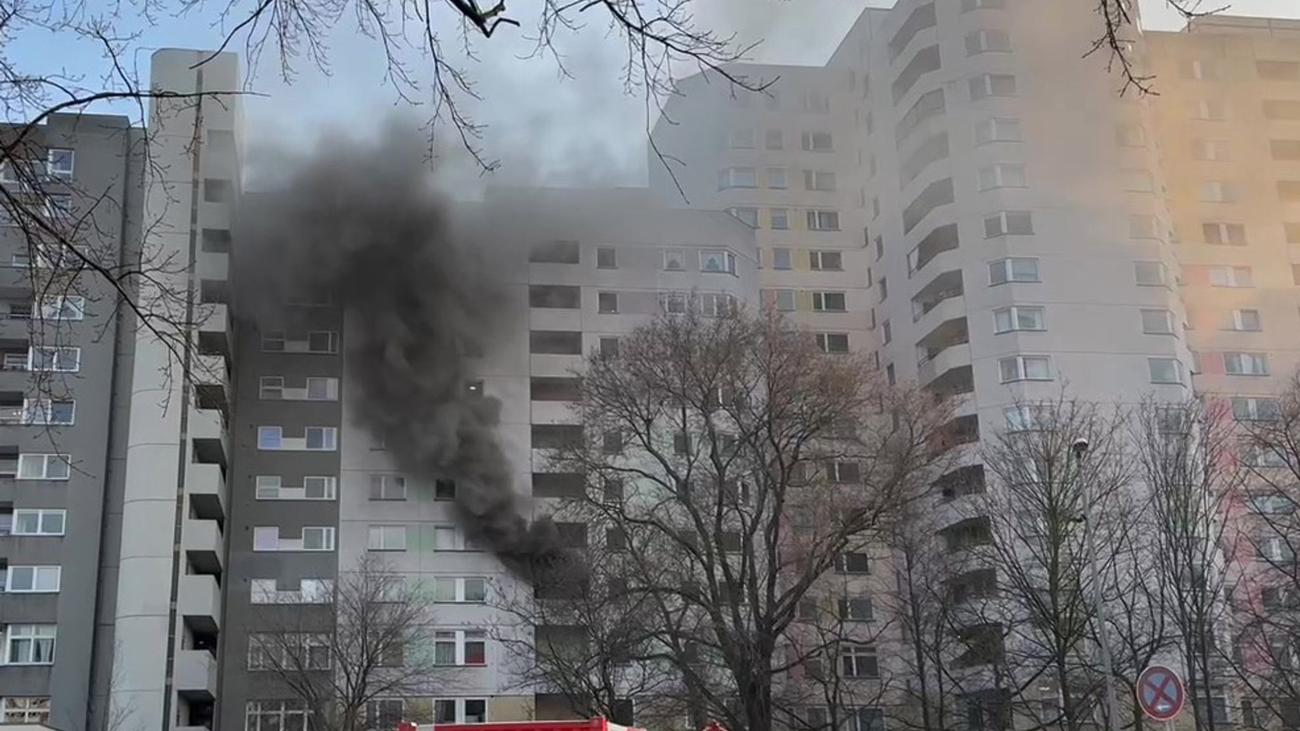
<point x="361" y="223"/>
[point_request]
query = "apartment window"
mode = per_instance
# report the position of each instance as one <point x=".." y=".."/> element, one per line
<point x="63" y="308"/>
<point x="997" y="129"/>
<point x="1130" y="135"/>
<point x="1002" y="175"/>
<point x="823" y="220"/>
<point x="1008" y="223"/>
<point x="387" y="538"/>
<point x="444" y="489"/>
<point x="269" y="437"/>
<point x="606" y="257"/>
<point x="1143" y="226"/>
<point x="554" y="296"/>
<point x="828" y="302"/>
<point x="741" y="139"/>
<point x="322" y="438"/>
<point x="985" y="41"/>
<point x="1278" y="70"/>
<point x="1210" y="150"/>
<point x="288" y="650"/>
<point x="1025" y="368"/>
<point x="738" y="177"/>
<point x="717" y="261"/>
<point x="30" y="644"/>
<point x="44" y="466"/>
<point x="1013" y="269"/>
<point x="843" y="473"/>
<point x="1256" y="409"/>
<point x="782" y="299"/>
<point x="32" y="579"/>
<point x="464" y="590"/>
<point x="859" y="660"/>
<point x="1275" y="549"/>
<point x="276" y="716"/>
<point x="1244" y="320"/>
<point x="715" y="304"/>
<point x="886" y="333"/>
<point x="64" y="360"/>
<point x="823" y="180"/>
<point x="38" y="522"/>
<point x="321" y="389"/>
<point x="1157" y="322"/>
<point x="555" y="342"/>
<point x="773" y="139"/>
<point x="1230" y="276"/>
<point x="1224" y="234"/>
<point x="1018" y="318"/>
<point x="816" y="141"/>
<point x="270" y="388"/>
<point x="451" y="538"/>
<point x="857" y="609"/>
<point x="1217" y="191"/>
<point x="608" y="347"/>
<point x="59" y="162"/>
<point x="460" y="647"/>
<point x="674" y="260"/>
<point x="26" y="710"/>
<point x="826" y="260"/>
<point x="781" y="259"/>
<point x="460" y="710"/>
<point x="833" y="342"/>
<point x="216" y="190"/>
<point x="989" y="85"/>
<point x="1210" y="110"/>
<point x="607" y="303"/>
<point x="1165" y="370"/>
<point x="1245" y="364"/>
<point x="1149" y="273"/>
<point x="779" y="219"/>
<point x="853" y="562"/>
<point x="672" y="303"/>
<point x="776" y="178"/>
<point x="387" y="487"/>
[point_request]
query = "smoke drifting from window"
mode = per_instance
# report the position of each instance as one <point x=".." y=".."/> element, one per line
<point x="360" y="222"/>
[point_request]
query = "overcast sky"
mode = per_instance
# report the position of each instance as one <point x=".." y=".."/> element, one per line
<point x="544" y="128"/>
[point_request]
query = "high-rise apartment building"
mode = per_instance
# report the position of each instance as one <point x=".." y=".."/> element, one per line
<point x="1021" y="229"/>
<point x="957" y="193"/>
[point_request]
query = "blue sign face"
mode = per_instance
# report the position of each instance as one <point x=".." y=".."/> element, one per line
<point x="1160" y="693"/>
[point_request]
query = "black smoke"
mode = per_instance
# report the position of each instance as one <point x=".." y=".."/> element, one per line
<point x="361" y="223"/>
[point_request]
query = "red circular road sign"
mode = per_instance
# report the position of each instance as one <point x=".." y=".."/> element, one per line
<point x="1160" y="693"/>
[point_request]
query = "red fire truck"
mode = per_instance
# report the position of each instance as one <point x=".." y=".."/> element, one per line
<point x="595" y="724"/>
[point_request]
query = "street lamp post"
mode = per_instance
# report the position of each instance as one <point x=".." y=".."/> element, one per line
<point x="1080" y="448"/>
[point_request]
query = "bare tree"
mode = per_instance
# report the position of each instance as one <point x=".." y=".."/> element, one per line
<point x="1032" y="527"/>
<point x="372" y="642"/>
<point x="733" y="471"/>
<point x="585" y="636"/>
<point x="1119" y="37"/>
<point x="1187" y="458"/>
<point x="1266" y="603"/>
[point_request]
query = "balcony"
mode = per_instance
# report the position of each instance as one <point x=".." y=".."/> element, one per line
<point x="211" y="381"/>
<point x="214" y="328"/>
<point x="940" y="362"/>
<point x="957" y="382"/>
<point x="958" y="431"/>
<point x="199" y="602"/>
<point x="941" y="239"/>
<point x="195" y="675"/>
<point x="201" y="540"/>
<point x="942" y="288"/>
<point x="207" y="428"/>
<point x="213" y="265"/>
<point x="206" y="486"/>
